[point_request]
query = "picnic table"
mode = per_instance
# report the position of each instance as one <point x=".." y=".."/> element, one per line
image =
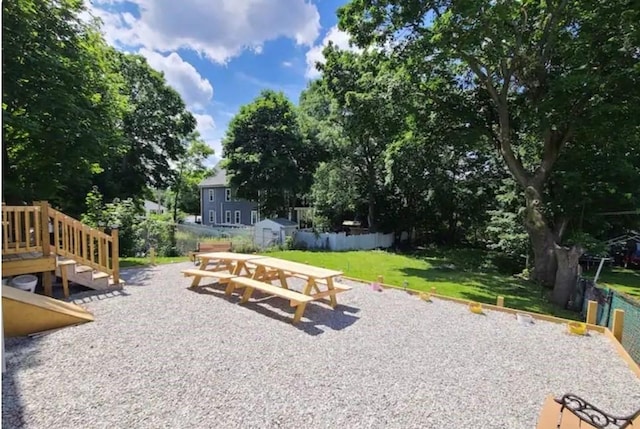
<point x="253" y="272"/>
<point x="234" y="263"/>
<point x="320" y="280"/>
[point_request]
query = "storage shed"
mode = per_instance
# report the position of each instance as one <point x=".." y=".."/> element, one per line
<point x="271" y="232"/>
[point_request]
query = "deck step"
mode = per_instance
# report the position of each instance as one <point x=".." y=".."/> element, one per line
<point x="83" y="269"/>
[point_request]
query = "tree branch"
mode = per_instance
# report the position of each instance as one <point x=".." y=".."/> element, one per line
<point x="553" y="142"/>
<point x="546" y="43"/>
<point x="561" y="228"/>
<point x="514" y="164"/>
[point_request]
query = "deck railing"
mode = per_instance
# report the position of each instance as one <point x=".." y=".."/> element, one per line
<point x="40" y="228"/>
<point x="21" y="229"/>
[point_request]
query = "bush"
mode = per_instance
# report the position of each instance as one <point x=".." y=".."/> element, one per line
<point x="244" y="245"/>
<point x="123" y="214"/>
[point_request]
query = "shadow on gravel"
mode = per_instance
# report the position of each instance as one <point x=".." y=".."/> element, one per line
<point x="317" y="314"/>
<point x="96" y="295"/>
<point x="137" y="276"/>
<point x="20" y="353"/>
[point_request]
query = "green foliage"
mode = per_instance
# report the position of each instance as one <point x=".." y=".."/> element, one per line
<point x="62" y="105"/>
<point x="266" y="156"/>
<point x="156" y="130"/>
<point x="190" y="171"/>
<point x="121" y="214"/>
<point x="244" y="245"/>
<point x="554" y="86"/>
<point x="78" y="113"/>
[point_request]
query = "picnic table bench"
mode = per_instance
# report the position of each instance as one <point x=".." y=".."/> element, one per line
<point x="296" y="299"/>
<point x="209" y="246"/>
<point x="573" y="412"/>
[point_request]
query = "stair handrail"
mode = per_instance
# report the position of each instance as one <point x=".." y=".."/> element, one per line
<point x="84" y="244"/>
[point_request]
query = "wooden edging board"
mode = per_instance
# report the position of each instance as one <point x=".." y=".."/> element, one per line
<point x="635" y="368"/>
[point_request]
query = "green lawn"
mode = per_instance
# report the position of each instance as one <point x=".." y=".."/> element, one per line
<point x="469" y="279"/>
<point x="624" y="280"/>
<point x="473" y="275"/>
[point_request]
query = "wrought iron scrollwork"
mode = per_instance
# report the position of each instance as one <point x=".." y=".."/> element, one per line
<point x="593" y="415"/>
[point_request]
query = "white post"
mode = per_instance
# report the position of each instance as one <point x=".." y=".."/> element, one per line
<point x="595" y="279"/>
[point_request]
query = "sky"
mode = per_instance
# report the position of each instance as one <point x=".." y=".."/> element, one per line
<point x="219" y="54"/>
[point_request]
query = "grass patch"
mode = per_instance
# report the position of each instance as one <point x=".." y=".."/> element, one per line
<point x="462" y="273"/>
<point x="144" y="262"/>
<point x="621" y="279"/>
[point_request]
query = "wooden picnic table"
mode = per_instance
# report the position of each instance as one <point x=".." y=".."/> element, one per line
<point x="319" y="279"/>
<point x="235" y="263"/>
<point x="256" y="272"/>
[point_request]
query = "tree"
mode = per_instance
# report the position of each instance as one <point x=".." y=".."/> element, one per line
<point x="190" y="171"/>
<point x="61" y="102"/>
<point x="552" y="71"/>
<point x="363" y="88"/>
<point x="266" y="156"/>
<point x="155" y="132"/>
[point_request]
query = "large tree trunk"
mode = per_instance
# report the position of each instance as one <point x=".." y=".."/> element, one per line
<point x="554" y="265"/>
<point x="567" y="273"/>
<point x="542" y="238"/>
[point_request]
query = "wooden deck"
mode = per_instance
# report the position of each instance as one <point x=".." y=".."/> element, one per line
<point x="33" y="237"/>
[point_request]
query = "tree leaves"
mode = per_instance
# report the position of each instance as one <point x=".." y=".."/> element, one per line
<point x="267" y="158"/>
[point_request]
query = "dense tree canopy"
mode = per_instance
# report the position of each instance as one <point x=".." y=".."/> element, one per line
<point x="266" y="155"/>
<point x="77" y="113"/>
<point x="62" y="102"/>
<point x="555" y="73"/>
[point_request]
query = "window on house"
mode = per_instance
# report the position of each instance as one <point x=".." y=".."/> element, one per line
<point x="227" y="216"/>
<point x="238" y="218"/>
<point x="211" y="194"/>
<point x="254" y="217"/>
<point x="227" y="194"/>
<point x="212" y="216"/>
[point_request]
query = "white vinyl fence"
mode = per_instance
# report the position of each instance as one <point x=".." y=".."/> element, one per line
<point x="342" y="241"/>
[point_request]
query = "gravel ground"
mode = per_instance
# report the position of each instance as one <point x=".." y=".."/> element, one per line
<point x="162" y="356"/>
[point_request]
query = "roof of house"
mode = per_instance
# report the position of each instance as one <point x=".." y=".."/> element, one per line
<point x="284" y="222"/>
<point x="218" y="179"/>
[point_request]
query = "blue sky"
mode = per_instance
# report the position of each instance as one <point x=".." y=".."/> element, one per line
<point x="220" y="54"/>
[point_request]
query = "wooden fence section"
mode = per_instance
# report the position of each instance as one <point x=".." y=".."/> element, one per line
<point x="41" y="229"/>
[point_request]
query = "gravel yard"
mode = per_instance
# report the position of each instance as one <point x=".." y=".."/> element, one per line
<point x="161" y="355"/>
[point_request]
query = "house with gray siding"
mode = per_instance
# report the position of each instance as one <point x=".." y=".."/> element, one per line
<point x="218" y="206"/>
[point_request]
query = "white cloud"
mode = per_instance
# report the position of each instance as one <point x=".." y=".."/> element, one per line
<point x="314" y="55"/>
<point x="181" y="75"/>
<point x="211" y="135"/>
<point x="206" y="124"/>
<point x="218" y="30"/>
<point x="287" y="64"/>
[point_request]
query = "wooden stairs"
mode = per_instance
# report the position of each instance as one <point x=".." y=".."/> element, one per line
<point x="40" y="239"/>
<point x="85" y="275"/>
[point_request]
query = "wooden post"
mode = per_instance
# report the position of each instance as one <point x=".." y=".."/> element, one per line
<point x="433" y="290"/>
<point x="115" y="262"/>
<point x="381" y="279"/>
<point x="592" y="312"/>
<point x="500" y="301"/>
<point x="618" y="324"/>
<point x="44" y="227"/>
<point x="152" y="255"/>
<point x="46" y="245"/>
